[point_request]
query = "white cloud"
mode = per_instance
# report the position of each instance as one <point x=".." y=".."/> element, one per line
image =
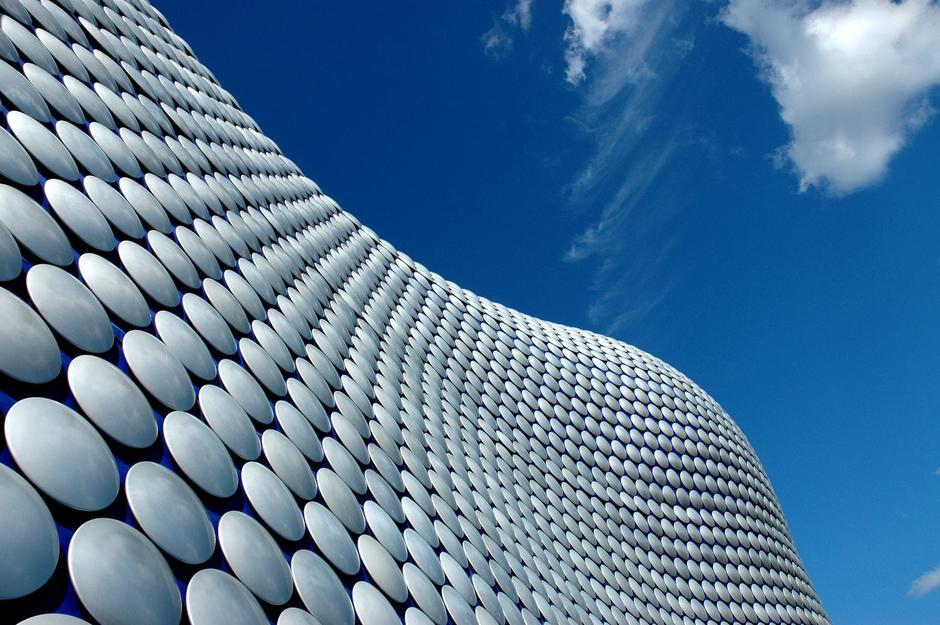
<point x="498" y="40"/>
<point x="631" y="234"/>
<point x="928" y="582"/>
<point x="595" y="25"/>
<point x="852" y="79"/>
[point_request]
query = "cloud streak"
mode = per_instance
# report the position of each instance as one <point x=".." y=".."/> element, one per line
<point x="926" y="583"/>
<point x="625" y="58"/>
<point x="852" y="80"/>
<point x="498" y="40"/>
<point x="596" y="26"/>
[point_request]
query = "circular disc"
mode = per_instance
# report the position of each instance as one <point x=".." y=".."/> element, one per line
<point x="79" y="214"/>
<point x="296" y="616"/>
<point x="382" y="568"/>
<point x="245" y="389"/>
<point x="54" y="619"/>
<point x="229" y="421"/>
<point x="114" y="289"/>
<point x="289" y="464"/>
<point x="214" y="597"/>
<point x="120" y="577"/>
<point x="29" y="541"/>
<point x="200" y="454"/>
<point x="255" y="558"/>
<point x="185" y="344"/>
<point x="372" y="607"/>
<point x="112" y="401"/>
<point x="70" y="308"/>
<point x="15" y="164"/>
<point x="331" y="538"/>
<point x="272" y="501"/>
<point x="158" y="370"/>
<point x="320" y="589"/>
<point x="28" y="350"/>
<point x="169" y="512"/>
<point x="33" y="227"/>
<point x="61" y="453"/>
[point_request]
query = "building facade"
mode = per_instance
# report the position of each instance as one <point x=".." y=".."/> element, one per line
<point x="226" y="401"/>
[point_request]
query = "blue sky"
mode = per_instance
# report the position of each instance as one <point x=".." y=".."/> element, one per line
<point x="748" y="191"/>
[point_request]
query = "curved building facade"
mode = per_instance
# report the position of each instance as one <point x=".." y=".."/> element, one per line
<point x="226" y="401"/>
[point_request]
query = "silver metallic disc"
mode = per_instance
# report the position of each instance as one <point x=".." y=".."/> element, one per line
<point x="424" y="593"/>
<point x="11" y="262"/>
<point x="114" y="289"/>
<point x="84" y="149"/>
<point x="340" y="500"/>
<point x="33" y="228"/>
<point x="70" y="308"/>
<point x="272" y="501"/>
<point x="158" y="370"/>
<point x="112" y="401"/>
<point x="384" y="528"/>
<point x="15" y="164"/>
<point x="209" y="324"/>
<point x="61" y="453"/>
<point x="229" y="421"/>
<point x="382" y="568"/>
<point x="245" y="389"/>
<point x="120" y="577"/>
<point x="255" y="558"/>
<point x="17" y="90"/>
<point x="372" y="607"/>
<point x="331" y="538"/>
<point x="320" y="589"/>
<point x="28" y="350"/>
<point x="43" y="146"/>
<point x="214" y="597"/>
<point x="169" y="512"/>
<point x="184" y="343"/>
<point x="200" y="454"/>
<point x="149" y="274"/>
<point x="79" y="214"/>
<point x="298" y="430"/>
<point x="54" y="619"/>
<point x="289" y="464"/>
<point x="29" y="541"/>
<point x="113" y="206"/>
<point x="296" y="616"/>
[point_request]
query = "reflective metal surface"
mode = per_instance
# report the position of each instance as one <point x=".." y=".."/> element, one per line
<point x="272" y="501"/>
<point x="255" y="558"/>
<point x="229" y="421"/>
<point x="158" y="370"/>
<point x="112" y="401"/>
<point x="331" y="538"/>
<point x="33" y="228"/>
<point x="114" y="289"/>
<point x="120" y="577"/>
<point x="61" y="453"/>
<point x="29" y="541"/>
<point x="70" y="308"/>
<point x="214" y="597"/>
<point x="28" y="350"/>
<point x="200" y="454"/>
<point x="169" y="512"/>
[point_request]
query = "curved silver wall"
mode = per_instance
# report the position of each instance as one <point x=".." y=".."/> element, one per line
<point x="226" y="401"/>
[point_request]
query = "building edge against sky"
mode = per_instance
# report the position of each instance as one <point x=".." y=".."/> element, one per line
<point x="223" y="396"/>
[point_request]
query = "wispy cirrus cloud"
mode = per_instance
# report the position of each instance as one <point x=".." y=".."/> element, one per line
<point x="596" y="27"/>
<point x="852" y="79"/>
<point x="926" y="583"/>
<point x="621" y="55"/>
<point x="498" y="40"/>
